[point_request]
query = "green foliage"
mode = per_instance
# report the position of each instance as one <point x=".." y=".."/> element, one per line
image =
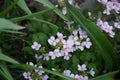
<point x="6" y="25"/>
<point x="100" y="39"/>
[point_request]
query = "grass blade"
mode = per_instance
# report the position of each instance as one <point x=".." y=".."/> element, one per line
<point x="8" y="59"/>
<point x="22" y="4"/>
<point x="56" y="10"/>
<point x="6" y="24"/>
<point x="30" y="15"/>
<point x="108" y="76"/>
<point x="5" y="72"/>
<point x="6" y="11"/>
<point x="97" y="37"/>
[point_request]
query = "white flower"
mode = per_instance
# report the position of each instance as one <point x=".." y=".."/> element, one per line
<point x="53" y="41"/>
<point x="89" y="13"/>
<point x="92" y="72"/>
<point x="82" y="67"/>
<point x="36" y="46"/>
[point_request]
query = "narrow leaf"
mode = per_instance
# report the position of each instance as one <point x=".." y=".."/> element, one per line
<point x="30" y="15"/>
<point x="6" y="24"/>
<point x="8" y="59"/>
<point x="22" y="4"/>
<point x="6" y="11"/>
<point x="108" y="76"/>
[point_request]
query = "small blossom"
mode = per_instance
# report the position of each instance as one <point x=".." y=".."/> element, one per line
<point x="92" y="72"/>
<point x="27" y="75"/>
<point x="39" y="71"/>
<point x="64" y="10"/>
<point x="117" y="25"/>
<point x="67" y="72"/>
<point x="82" y="68"/>
<point x="89" y="13"/>
<point x="87" y="43"/>
<point x="36" y="46"/>
<point x="45" y="77"/>
<point x="85" y="78"/>
<point x="53" y="41"/>
<point x="103" y="1"/>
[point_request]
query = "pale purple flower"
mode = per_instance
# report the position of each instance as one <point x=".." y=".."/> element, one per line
<point x="60" y="36"/>
<point x="117" y="25"/>
<point x="36" y="46"/>
<point x="67" y="56"/>
<point x="27" y="75"/>
<point x="82" y="67"/>
<point x="64" y="10"/>
<point x="92" y="72"/>
<point x="87" y="43"/>
<point x="70" y="1"/>
<point x="67" y="72"/>
<point x="103" y="1"/>
<point x="38" y="57"/>
<point x="72" y="75"/>
<point x="46" y="57"/>
<point x="68" y="43"/>
<point x="85" y="78"/>
<point x="53" y="41"/>
<point x="39" y="71"/>
<point x="45" y="77"/>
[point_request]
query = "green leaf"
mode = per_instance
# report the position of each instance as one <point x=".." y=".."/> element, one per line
<point x="7" y="25"/>
<point x="22" y="4"/>
<point x="56" y="10"/>
<point x="108" y="76"/>
<point x="30" y="15"/>
<point x="97" y="37"/>
<point x="40" y="37"/>
<point x="6" y="11"/>
<point x="26" y="67"/>
<point x="5" y="72"/>
<point x="8" y="59"/>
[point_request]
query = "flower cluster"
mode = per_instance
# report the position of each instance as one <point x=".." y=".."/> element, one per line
<point x="110" y="5"/>
<point x="83" y="70"/>
<point x="32" y="75"/>
<point x="107" y="28"/>
<point x="66" y="45"/>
